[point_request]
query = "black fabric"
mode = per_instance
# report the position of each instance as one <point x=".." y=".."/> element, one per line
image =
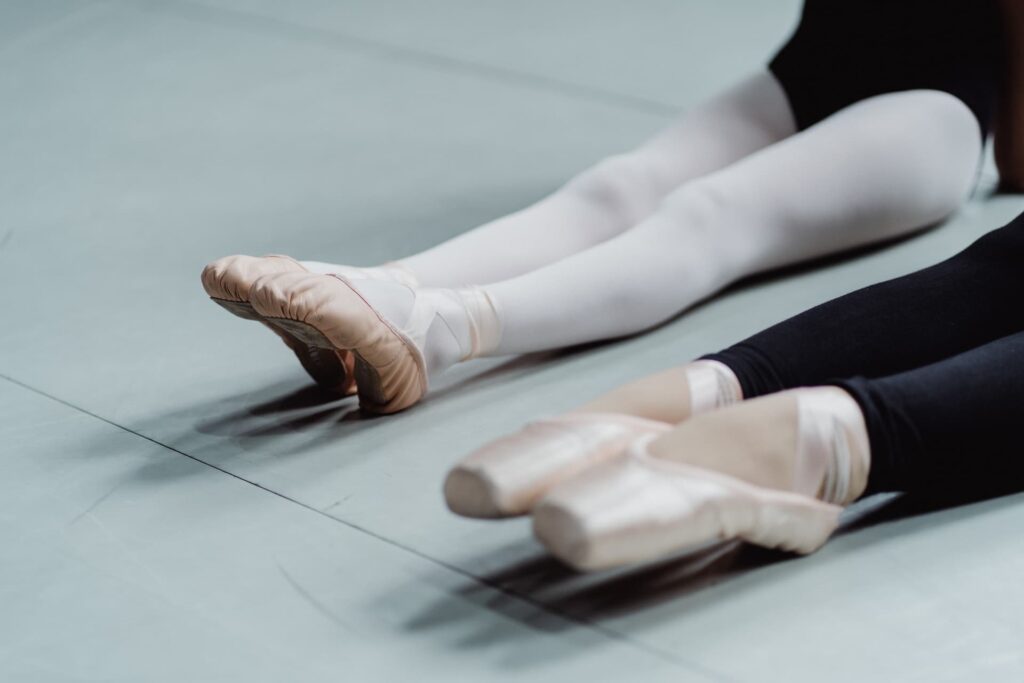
<point x="938" y="362"/>
<point x="948" y="428"/>
<point x="968" y="300"/>
<point x="844" y="51"/>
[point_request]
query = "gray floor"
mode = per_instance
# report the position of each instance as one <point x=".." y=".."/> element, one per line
<point x="178" y="504"/>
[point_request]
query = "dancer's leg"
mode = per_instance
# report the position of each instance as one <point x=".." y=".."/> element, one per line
<point x="757" y="470"/>
<point x="941" y="427"/>
<point x="890" y="327"/>
<point x="935" y="428"/>
<point x="877" y="169"/>
<point x="613" y="195"/>
<point x="774" y="471"/>
<point x="911" y="321"/>
<point x="950" y="427"/>
<point x="881" y="167"/>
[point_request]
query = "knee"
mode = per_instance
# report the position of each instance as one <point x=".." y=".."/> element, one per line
<point x="622" y="185"/>
<point x="701" y="202"/>
<point x="1002" y="246"/>
<point x="956" y="134"/>
<point x="935" y="138"/>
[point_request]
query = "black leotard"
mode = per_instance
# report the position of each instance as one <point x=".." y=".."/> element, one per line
<point x="844" y="51"/>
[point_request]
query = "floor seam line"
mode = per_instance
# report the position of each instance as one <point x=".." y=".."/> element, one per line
<point x="601" y="630"/>
<point x="424" y="58"/>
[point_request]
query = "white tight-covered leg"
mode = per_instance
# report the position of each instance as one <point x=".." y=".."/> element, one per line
<point x="880" y="168"/>
<point x="616" y="193"/>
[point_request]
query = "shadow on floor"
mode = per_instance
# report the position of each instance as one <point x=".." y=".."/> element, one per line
<point x="540" y="592"/>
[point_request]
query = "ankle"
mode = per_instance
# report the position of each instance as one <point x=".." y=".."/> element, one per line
<point x="447" y="340"/>
<point x="711" y="385"/>
<point x="833" y="452"/>
<point x="484" y="322"/>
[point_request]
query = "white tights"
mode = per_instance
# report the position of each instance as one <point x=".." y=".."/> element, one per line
<point x="728" y="191"/>
<point x="615" y="194"/>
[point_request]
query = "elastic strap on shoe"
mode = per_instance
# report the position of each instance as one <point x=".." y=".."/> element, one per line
<point x="712" y="385"/>
<point x="484" y="321"/>
<point x="825" y="421"/>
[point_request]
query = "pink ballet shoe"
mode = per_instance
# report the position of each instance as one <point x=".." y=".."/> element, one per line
<point x="327" y="312"/>
<point x="227" y="281"/>
<point x="507" y="476"/>
<point x="638" y="508"/>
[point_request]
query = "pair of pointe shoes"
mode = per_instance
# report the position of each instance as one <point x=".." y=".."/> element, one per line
<point x="600" y="500"/>
<point x="339" y="338"/>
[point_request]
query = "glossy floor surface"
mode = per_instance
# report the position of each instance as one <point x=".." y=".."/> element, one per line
<point x="178" y="504"/>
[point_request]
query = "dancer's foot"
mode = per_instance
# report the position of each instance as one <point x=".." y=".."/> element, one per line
<point x="672" y="395"/>
<point x="507" y="476"/>
<point x="227" y="282"/>
<point x="398" y="335"/>
<point x="774" y="471"/>
<point x="394" y="271"/>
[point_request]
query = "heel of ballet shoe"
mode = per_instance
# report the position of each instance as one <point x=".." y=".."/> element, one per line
<point x="328" y="368"/>
<point x="327" y="312"/>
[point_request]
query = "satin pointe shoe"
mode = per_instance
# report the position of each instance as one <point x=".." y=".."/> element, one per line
<point x="505" y="477"/>
<point x="638" y="508"/>
<point x="329" y="313"/>
<point x="227" y="282"/>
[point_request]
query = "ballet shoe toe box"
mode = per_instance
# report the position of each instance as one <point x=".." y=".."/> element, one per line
<point x="511" y="473"/>
<point x="617" y="514"/>
<point x="231" y="277"/>
<point x="468" y="492"/>
<point x="639" y="509"/>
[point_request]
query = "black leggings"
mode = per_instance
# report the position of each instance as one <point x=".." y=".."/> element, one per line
<point x="935" y="359"/>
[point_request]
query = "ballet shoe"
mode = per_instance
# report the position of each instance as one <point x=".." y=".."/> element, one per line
<point x="637" y="508"/>
<point x="227" y="282"/>
<point x="505" y="477"/>
<point x="329" y="313"/>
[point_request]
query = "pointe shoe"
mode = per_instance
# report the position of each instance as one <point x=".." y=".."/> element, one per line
<point x="328" y="312"/>
<point x="227" y="281"/>
<point x="507" y="476"/>
<point x="639" y="508"/>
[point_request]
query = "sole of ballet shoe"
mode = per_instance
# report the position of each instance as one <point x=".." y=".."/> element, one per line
<point x="243" y="309"/>
<point x="388" y="367"/>
<point x="507" y="476"/>
<point x="642" y="509"/>
<point x="333" y="371"/>
<point x="366" y="377"/>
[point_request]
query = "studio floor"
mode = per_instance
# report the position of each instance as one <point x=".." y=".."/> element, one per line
<point x="177" y="503"/>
